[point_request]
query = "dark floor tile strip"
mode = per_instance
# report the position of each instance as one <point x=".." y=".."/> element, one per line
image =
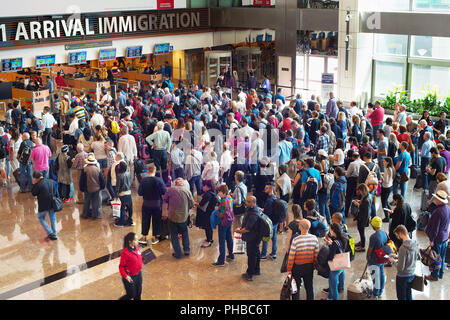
<point x="58" y="276"/>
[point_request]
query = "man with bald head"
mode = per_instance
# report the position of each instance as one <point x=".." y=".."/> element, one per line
<point x="302" y="259"/>
<point x="250" y="234"/>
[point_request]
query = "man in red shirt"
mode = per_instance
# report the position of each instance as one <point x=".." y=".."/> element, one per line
<point x="59" y="80"/>
<point x="376" y="117"/>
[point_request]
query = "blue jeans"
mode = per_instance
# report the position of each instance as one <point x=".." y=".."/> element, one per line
<point x="175" y="229"/>
<point x="265" y="244"/>
<point x="335" y="283"/>
<point x="378" y="292"/>
<point x="52" y="216"/>
<point x="402" y="188"/>
<point x="26" y="179"/>
<point x="45" y="173"/>
<point x="225" y="238"/>
<point x="197" y="182"/>
<point x="403" y="287"/>
<point x="375" y="128"/>
<point x="323" y="206"/>
<point x="440" y="248"/>
<point x="424" y="162"/>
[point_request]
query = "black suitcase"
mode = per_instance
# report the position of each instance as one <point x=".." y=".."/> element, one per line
<point x="415" y="172"/>
<point x="419" y="182"/>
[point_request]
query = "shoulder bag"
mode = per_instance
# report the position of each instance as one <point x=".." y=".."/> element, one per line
<point x="56" y="202"/>
<point x="340" y="260"/>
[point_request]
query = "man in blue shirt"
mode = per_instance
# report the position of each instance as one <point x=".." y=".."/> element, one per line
<point x="401" y="163"/>
<point x="309" y="167"/>
<point x="268" y="210"/>
<point x="298" y="103"/>
<point x="284" y="149"/>
<point x="266" y="83"/>
<point x="332" y="108"/>
<point x="376" y="241"/>
<point x="279" y="96"/>
<point x="425" y="157"/>
<point x="49" y="85"/>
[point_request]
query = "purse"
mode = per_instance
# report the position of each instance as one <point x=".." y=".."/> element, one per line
<point x="283" y="268"/>
<point x="286" y="289"/>
<point x="418" y="283"/>
<point x="147" y="256"/>
<point x="340" y="260"/>
<point x="403" y="177"/>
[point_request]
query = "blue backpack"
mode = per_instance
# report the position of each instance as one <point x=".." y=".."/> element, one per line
<point x="336" y="191"/>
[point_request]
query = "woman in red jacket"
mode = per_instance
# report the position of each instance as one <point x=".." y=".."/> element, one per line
<point x="130" y="267"/>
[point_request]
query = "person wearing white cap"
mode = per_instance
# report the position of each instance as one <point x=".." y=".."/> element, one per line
<point x="437" y="230"/>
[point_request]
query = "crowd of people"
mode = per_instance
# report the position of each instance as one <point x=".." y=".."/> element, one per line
<point x="193" y="149"/>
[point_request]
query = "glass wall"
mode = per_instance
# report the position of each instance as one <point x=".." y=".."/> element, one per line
<point x="419" y="64"/>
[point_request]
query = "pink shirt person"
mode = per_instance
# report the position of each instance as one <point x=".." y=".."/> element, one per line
<point x="40" y="155"/>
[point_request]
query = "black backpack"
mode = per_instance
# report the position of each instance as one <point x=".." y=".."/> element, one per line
<point x="312" y="186"/>
<point x="279" y="210"/>
<point x="24" y="157"/>
<point x="3" y="148"/>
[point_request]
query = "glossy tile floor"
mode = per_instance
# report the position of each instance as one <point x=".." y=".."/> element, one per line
<point x="26" y="259"/>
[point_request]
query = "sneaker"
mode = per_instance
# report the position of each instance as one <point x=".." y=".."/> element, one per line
<point x="229" y="258"/>
<point x="187" y="253"/>
<point x="51" y="236"/>
<point x="143" y="241"/>
<point x="173" y="255"/>
<point x="273" y="257"/>
<point x="385" y="220"/>
<point x="247" y="277"/>
<point x="216" y="264"/>
<point x="263" y="258"/>
<point x="325" y="290"/>
<point x="155" y="241"/>
<point x="132" y="223"/>
<point x="118" y="225"/>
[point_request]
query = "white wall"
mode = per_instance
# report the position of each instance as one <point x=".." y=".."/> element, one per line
<point x="47" y="7"/>
<point x="179" y="42"/>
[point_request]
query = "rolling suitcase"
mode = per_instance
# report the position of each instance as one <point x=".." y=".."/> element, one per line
<point x="415" y="172"/>
<point x="362" y="288"/>
<point x="424" y="201"/>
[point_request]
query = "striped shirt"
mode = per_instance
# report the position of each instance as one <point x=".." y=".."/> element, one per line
<point x="304" y="250"/>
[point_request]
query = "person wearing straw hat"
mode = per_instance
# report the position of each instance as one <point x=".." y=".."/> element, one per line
<point x="92" y="181"/>
<point x="437" y="230"/>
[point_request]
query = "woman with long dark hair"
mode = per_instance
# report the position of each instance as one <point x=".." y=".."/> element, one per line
<point x="130" y="267"/>
<point x="401" y="211"/>
<point x="387" y="181"/>
<point x="337" y="242"/>
<point x="364" y="212"/>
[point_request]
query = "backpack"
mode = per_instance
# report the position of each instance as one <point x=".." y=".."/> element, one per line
<point x="265" y="227"/>
<point x="37" y="124"/>
<point x="372" y="179"/>
<point x="3" y="147"/>
<point x="139" y="138"/>
<point x="115" y="127"/>
<point x="328" y="181"/>
<point x="383" y="251"/>
<point x="312" y="187"/>
<point x="24" y="157"/>
<point x="422" y="221"/>
<point x="357" y="133"/>
<point x="335" y="198"/>
<point x="323" y="269"/>
<point x="279" y="210"/>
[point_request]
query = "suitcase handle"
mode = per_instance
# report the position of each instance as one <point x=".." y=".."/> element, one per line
<point x="364" y="272"/>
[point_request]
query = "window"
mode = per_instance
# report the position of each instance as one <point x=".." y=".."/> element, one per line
<point x="387" y="76"/>
<point x="391" y="44"/>
<point x="431" y="47"/>
<point x="300" y="72"/>
<point x="431" y="5"/>
<point x="425" y="76"/>
<point x="389" y="5"/>
<point x="316" y="68"/>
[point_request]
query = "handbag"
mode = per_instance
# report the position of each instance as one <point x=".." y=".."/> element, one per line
<point x="238" y="244"/>
<point x="403" y="177"/>
<point x="418" y="282"/>
<point x="56" y="204"/>
<point x="340" y="260"/>
<point x="147" y="256"/>
<point x="286" y="289"/>
<point x="116" y="204"/>
<point x="283" y="268"/>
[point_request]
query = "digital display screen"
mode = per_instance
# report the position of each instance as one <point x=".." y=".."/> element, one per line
<point x="163" y="48"/>
<point x="108" y="54"/>
<point x="77" y="58"/>
<point x="11" y="65"/>
<point x="134" y="52"/>
<point x="45" y="61"/>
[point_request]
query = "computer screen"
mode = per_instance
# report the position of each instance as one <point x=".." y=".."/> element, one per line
<point x="134" y="52"/>
<point x="107" y="54"/>
<point x="45" y="61"/>
<point x="11" y="65"/>
<point x="163" y="48"/>
<point x="77" y="58"/>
